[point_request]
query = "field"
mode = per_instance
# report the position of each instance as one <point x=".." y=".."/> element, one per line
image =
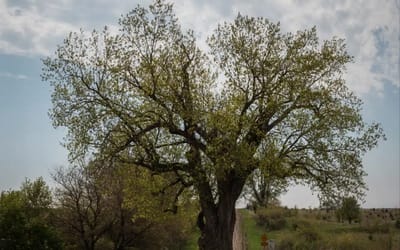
<point x="319" y="229"/>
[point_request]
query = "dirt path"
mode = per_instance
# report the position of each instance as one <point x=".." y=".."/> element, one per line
<point x="239" y="242"/>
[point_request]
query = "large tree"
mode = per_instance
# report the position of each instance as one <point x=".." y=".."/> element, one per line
<point x="262" y="98"/>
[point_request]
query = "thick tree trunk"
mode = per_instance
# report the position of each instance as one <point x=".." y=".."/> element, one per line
<point x="217" y="222"/>
<point x="217" y="231"/>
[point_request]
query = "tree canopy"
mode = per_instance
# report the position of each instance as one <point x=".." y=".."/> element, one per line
<point x="119" y="205"/>
<point x="349" y="210"/>
<point x="148" y="96"/>
<point x="24" y="222"/>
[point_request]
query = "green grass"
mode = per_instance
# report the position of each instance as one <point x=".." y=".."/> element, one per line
<point x="253" y="232"/>
<point x="332" y="235"/>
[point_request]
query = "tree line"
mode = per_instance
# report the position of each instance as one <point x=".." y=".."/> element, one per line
<point x="95" y="209"/>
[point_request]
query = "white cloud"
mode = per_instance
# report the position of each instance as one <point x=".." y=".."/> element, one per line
<point x="35" y="27"/>
<point x="14" y="76"/>
<point x="370" y="27"/>
<point x="25" y="31"/>
<point x="363" y="24"/>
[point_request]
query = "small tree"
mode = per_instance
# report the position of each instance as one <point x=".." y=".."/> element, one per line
<point x="263" y="189"/>
<point x="349" y="210"/>
<point x="82" y="206"/>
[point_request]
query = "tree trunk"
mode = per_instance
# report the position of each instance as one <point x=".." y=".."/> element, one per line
<point x="217" y="223"/>
<point x="217" y="232"/>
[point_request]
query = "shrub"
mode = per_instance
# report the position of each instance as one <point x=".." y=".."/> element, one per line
<point x="272" y="219"/>
<point x="346" y="242"/>
<point x="308" y="239"/>
<point x="397" y="224"/>
<point x="310" y="234"/>
<point x="287" y="243"/>
<point x="376" y="226"/>
<point x="300" y="224"/>
<point x="276" y="223"/>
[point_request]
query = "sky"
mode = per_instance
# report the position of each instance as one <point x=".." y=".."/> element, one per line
<point x="31" y="29"/>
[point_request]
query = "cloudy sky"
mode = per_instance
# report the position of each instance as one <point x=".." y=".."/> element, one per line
<point x="31" y="29"/>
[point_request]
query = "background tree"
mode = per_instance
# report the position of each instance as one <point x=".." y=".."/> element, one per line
<point x="82" y="212"/>
<point x="349" y="210"/>
<point x="124" y="230"/>
<point x="103" y="204"/>
<point x="149" y="97"/>
<point x="263" y="189"/>
<point x="144" y="208"/>
<point x="24" y="222"/>
<point x="329" y="203"/>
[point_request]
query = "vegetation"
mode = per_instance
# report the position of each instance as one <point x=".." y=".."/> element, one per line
<point x="30" y="219"/>
<point x="86" y="214"/>
<point x="25" y="218"/>
<point x="263" y="189"/>
<point x="318" y="229"/>
<point x="148" y="97"/>
<point x="349" y="210"/>
<point x="119" y="207"/>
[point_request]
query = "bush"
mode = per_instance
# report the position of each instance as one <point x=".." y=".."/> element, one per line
<point x="276" y="223"/>
<point x="287" y="243"/>
<point x="272" y="219"/>
<point x="310" y="235"/>
<point x="300" y="224"/>
<point x="375" y="226"/>
<point x="308" y="239"/>
<point x="172" y="233"/>
<point x="397" y="224"/>
<point x="346" y="242"/>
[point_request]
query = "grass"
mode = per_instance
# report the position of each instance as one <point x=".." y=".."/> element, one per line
<point x="253" y="232"/>
<point x="329" y="233"/>
<point x="306" y="230"/>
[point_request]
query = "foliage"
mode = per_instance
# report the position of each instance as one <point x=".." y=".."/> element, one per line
<point x="120" y="206"/>
<point x="323" y="234"/>
<point x="82" y="212"/>
<point x="173" y="233"/>
<point x="148" y="96"/>
<point x="158" y="217"/>
<point x="263" y="189"/>
<point x="375" y="225"/>
<point x="272" y="218"/>
<point x="308" y="239"/>
<point x="349" y="210"/>
<point x="24" y="222"/>
<point x="37" y="194"/>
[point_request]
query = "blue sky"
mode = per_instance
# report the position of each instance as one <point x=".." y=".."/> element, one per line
<point x="31" y="29"/>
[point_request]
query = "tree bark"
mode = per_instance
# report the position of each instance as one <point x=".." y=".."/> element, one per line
<point x="217" y="223"/>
